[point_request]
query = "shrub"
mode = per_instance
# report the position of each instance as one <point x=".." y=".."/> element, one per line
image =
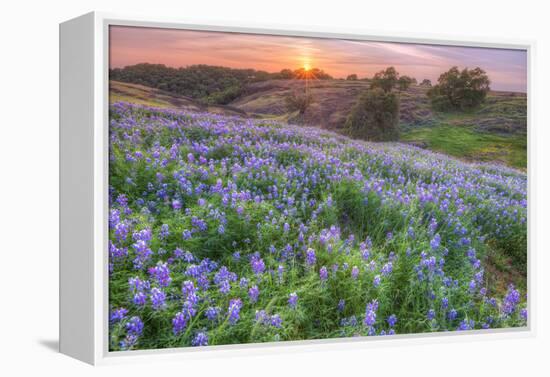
<point x="460" y="90"/>
<point x="375" y="116"/>
<point x="225" y="96"/>
<point x="426" y="82"/>
<point x="386" y="79"/>
<point x="404" y="82"/>
<point x="352" y="77"/>
<point x="300" y="102"/>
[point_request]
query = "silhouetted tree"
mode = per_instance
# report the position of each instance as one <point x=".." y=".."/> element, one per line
<point x="352" y="77"/>
<point x="286" y="74"/>
<point x="313" y="73"/>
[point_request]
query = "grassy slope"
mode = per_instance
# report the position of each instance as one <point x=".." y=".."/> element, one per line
<point x="495" y="132"/>
<point x="143" y="95"/>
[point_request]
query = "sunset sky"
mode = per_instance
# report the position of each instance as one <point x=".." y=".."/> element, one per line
<point x="507" y="69"/>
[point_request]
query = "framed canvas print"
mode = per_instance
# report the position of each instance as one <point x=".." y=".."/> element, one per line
<point x="226" y="188"/>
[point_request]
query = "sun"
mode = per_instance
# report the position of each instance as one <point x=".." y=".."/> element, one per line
<point x="306" y="67"/>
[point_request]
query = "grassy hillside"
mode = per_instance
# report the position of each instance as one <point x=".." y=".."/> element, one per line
<point x="495" y="132"/>
<point x="144" y="95"/>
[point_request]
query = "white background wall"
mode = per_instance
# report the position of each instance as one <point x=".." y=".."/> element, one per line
<point x="29" y="182"/>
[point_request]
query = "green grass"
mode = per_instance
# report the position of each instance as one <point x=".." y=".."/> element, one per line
<point x="470" y="144"/>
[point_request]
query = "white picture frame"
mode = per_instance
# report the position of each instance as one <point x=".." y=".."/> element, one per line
<point x="83" y="190"/>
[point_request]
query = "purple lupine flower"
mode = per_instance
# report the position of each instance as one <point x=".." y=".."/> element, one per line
<point x="387" y="269"/>
<point x="224" y="287"/>
<point x="121" y="230"/>
<point x="140" y="299"/>
<point x="161" y="273"/>
<point x="323" y="274"/>
<point x="444" y="303"/>
<point x="176" y="204"/>
<point x="253" y="293"/>
<point x="158" y="299"/>
<point x="523" y="314"/>
<point x="286" y="228"/>
<point x="293" y="300"/>
<point x="354" y="272"/>
<point x="511" y="300"/>
<point x="118" y="315"/>
<point x="310" y="257"/>
<point x="129" y="342"/>
<point x="134" y="326"/>
<point x="472" y="286"/>
<point x="376" y="281"/>
<point x="164" y="231"/>
<point x="370" y="313"/>
<point x="433" y="225"/>
<point x="365" y="253"/>
<point x="478" y="277"/>
<point x="179" y="323"/>
<point x="200" y="339"/>
<point x="234" y="310"/>
<point x="223" y="278"/>
<point x="276" y="321"/>
<point x="116" y="253"/>
<point x="203" y="281"/>
<point x="212" y="313"/>
<point x="435" y="242"/>
<point x="189" y="292"/>
<point x="138" y="285"/>
<point x="199" y="224"/>
<point x="452" y="314"/>
<point x="430" y="315"/>
<point x="466" y="325"/>
<point x="341" y="305"/>
<point x="186" y="234"/>
<point x="280" y="271"/>
<point x="193" y="271"/>
<point x="243" y="283"/>
<point x="261" y="316"/>
<point x="143" y="254"/>
<point x="258" y="265"/>
<point x="392" y="320"/>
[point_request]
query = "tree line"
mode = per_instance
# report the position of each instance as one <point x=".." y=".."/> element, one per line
<point x="210" y="84"/>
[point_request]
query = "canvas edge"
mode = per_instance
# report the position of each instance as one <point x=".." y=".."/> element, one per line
<point x="76" y="190"/>
<point x="100" y="340"/>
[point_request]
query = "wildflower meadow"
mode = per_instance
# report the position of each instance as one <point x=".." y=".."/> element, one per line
<point x="230" y="230"/>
